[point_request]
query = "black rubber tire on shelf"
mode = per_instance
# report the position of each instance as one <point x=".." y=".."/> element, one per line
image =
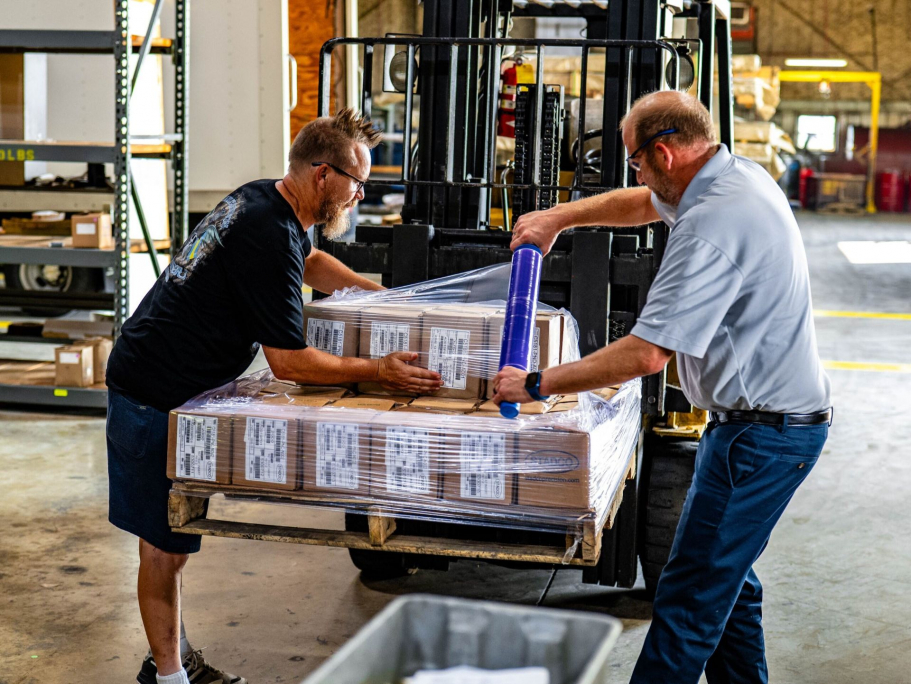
<point x="374" y="564"/>
<point x="670" y="472"/>
<point x="83" y="280"/>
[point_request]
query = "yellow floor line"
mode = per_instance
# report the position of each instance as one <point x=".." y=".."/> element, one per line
<point x="874" y="367"/>
<point x="819" y="313"/>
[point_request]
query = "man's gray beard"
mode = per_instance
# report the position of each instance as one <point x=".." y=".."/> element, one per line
<point x="337" y="224"/>
<point x="665" y="192"/>
<point x="334" y="217"/>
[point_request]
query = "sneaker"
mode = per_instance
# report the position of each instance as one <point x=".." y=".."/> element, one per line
<point x="198" y="671"/>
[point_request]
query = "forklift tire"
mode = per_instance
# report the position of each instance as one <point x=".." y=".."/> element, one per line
<point x="374" y="564"/>
<point x="670" y="472"/>
<point x="30" y="277"/>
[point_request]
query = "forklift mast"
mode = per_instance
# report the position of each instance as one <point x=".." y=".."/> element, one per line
<point x="449" y="168"/>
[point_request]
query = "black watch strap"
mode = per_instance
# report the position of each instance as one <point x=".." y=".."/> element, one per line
<point x="533" y="386"/>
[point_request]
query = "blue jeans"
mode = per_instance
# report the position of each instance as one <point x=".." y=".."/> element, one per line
<point x="707" y="614"/>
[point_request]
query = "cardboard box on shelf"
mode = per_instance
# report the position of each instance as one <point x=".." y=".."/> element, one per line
<point x="546" y="348"/>
<point x="266" y="449"/>
<point x="405" y="457"/>
<point x="74" y="366"/>
<point x="73" y="329"/>
<point x="478" y="466"/>
<point x="199" y="445"/>
<point x="454" y="344"/>
<point x="92" y="231"/>
<point x="101" y="350"/>
<point x="387" y="329"/>
<point x="332" y="328"/>
<point x="336" y="452"/>
<point x="553" y="468"/>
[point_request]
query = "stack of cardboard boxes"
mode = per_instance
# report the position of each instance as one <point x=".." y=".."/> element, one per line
<point x="449" y="453"/>
<point x="460" y="342"/>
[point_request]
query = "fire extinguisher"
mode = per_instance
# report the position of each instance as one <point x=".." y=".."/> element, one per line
<point x="513" y="72"/>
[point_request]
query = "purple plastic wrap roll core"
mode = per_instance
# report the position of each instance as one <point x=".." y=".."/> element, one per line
<point x="521" y="309"/>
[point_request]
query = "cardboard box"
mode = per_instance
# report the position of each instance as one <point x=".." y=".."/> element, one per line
<point x="336" y="452"/>
<point x="532" y="408"/>
<point x="92" y="231"/>
<point x="365" y="402"/>
<point x="546" y="348"/>
<point x="199" y="445"/>
<point x="387" y="329"/>
<point x="454" y="344"/>
<point x="553" y="468"/>
<point x="293" y="389"/>
<point x="479" y="466"/>
<point x="266" y="451"/>
<point x="293" y="399"/>
<point x="332" y="328"/>
<point x="405" y="457"/>
<point x="101" y="351"/>
<point x="443" y="404"/>
<point x="68" y="328"/>
<point x="74" y="366"/>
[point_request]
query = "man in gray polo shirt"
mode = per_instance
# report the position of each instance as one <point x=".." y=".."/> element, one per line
<point x="732" y="298"/>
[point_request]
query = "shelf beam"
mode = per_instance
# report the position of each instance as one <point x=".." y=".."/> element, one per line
<point x="42" y="395"/>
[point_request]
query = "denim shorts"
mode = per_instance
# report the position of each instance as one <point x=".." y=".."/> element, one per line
<point x="137" y="437"/>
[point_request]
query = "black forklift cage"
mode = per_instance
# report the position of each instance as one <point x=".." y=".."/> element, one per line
<point x="493" y="56"/>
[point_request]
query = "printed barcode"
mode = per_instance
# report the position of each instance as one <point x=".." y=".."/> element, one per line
<point x="472" y="485"/>
<point x="336" y="343"/>
<point x="257" y="468"/>
<point x="186" y="466"/>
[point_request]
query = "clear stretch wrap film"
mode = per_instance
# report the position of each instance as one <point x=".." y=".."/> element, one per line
<point x="448" y="457"/>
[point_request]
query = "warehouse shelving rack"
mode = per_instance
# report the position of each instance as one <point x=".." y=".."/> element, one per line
<point x="119" y="43"/>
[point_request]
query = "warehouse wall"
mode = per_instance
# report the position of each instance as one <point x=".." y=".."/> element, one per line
<point x="839" y="28"/>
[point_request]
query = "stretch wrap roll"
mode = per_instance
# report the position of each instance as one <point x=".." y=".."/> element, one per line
<point x="521" y="309"/>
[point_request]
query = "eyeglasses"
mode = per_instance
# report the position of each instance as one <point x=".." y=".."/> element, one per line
<point x="636" y="166"/>
<point x="360" y="183"/>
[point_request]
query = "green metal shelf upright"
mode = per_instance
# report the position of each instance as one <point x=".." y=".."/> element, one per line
<point x="120" y="44"/>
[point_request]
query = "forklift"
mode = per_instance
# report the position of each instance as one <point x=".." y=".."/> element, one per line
<point x="567" y="146"/>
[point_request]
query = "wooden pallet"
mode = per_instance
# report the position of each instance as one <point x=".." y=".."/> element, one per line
<point x="187" y="515"/>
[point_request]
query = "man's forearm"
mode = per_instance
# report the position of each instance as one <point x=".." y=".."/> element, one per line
<point x="621" y="207"/>
<point x="327" y="274"/>
<point x="623" y="360"/>
<point x="314" y="367"/>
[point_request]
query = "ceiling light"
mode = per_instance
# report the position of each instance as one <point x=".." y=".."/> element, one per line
<point x="816" y="63"/>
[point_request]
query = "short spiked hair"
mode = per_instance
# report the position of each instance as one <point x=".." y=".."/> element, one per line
<point x="331" y="139"/>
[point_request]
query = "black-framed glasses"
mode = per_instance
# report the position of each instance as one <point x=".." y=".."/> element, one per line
<point x="360" y="183"/>
<point x="636" y="166"/>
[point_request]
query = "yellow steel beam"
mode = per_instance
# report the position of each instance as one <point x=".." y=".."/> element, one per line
<point x="873" y="79"/>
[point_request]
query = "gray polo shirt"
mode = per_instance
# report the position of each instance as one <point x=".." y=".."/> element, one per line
<point x="732" y="296"/>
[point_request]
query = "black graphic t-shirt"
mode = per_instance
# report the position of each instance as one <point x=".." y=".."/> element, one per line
<point x="235" y="285"/>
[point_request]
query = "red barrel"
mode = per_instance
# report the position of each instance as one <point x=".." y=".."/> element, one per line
<point x="805" y="173"/>
<point x="890" y="191"/>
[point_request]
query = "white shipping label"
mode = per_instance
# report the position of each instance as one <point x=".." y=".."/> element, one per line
<point x="449" y="356"/>
<point x="197" y="438"/>
<point x="535" y="362"/>
<point x="337" y="455"/>
<point x="327" y="336"/>
<point x="483" y="462"/>
<point x="69" y="357"/>
<point x="85" y="229"/>
<point x="386" y="338"/>
<point x="407" y="460"/>
<point x="266" y="442"/>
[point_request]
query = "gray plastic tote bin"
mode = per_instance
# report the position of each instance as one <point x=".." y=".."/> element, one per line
<point x="434" y="633"/>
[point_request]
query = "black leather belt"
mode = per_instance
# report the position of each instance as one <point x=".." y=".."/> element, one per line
<point x="767" y="418"/>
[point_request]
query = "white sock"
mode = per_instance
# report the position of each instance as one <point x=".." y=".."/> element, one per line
<point x="179" y="677"/>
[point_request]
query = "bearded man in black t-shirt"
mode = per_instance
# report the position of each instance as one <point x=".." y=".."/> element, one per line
<point x="236" y="286"/>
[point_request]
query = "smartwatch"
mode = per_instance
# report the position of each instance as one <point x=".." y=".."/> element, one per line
<point x="533" y="386"/>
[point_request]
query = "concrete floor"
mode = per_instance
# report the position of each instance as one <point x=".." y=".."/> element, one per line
<point x="836" y="571"/>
